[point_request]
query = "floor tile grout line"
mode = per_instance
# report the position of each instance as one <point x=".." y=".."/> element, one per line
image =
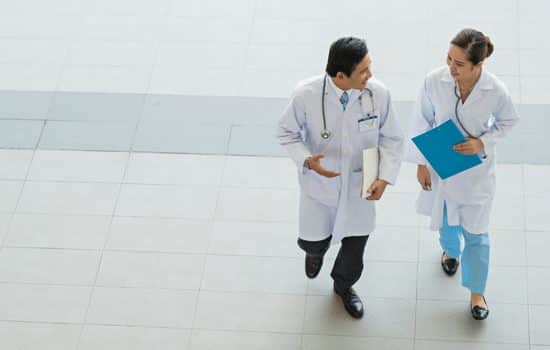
<point x="249" y="292"/>
<point x="468" y="341"/>
<point x="212" y="290"/>
<point x="180" y="152"/>
<point x="145" y="97"/>
<point x="524" y="183"/>
<point x="224" y="187"/>
<point x="221" y="330"/>
<point x="254" y="4"/>
<point x="234" y="255"/>
<point x="251" y="331"/>
<point x="12" y="216"/>
<point x="251" y="26"/>
<point x="228" y="143"/>
<point x="107" y="237"/>
<point x="419" y="242"/>
<point x="302" y="332"/>
<point x="247" y="331"/>
<point x="518" y="9"/>
<point x="524" y="212"/>
<point x="210" y="233"/>
<point x="231" y="254"/>
<point x="383" y="226"/>
<point x="237" y="255"/>
<point x="224" y="220"/>
<point x="70" y="44"/>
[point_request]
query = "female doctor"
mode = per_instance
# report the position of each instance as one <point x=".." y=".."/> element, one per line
<point x="460" y="206"/>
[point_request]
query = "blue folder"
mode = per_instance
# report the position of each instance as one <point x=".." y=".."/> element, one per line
<point x="437" y="147"/>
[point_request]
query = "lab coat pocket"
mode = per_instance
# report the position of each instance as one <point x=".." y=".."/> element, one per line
<point x="361" y="214"/>
<point x="321" y="188"/>
<point x="475" y="185"/>
<point x="368" y="139"/>
<point x="367" y="123"/>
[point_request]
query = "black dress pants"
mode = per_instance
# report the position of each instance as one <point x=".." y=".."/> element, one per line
<point x="348" y="266"/>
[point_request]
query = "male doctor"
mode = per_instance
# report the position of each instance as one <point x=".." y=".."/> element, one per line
<point x="328" y="123"/>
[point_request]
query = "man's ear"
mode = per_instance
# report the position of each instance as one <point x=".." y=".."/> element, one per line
<point x="340" y="75"/>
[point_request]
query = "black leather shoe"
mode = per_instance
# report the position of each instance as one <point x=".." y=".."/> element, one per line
<point x="352" y="302"/>
<point x="313" y="265"/>
<point x="480" y="313"/>
<point x="449" y="265"/>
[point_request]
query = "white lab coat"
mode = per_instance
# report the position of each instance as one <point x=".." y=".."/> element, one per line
<point x="333" y="206"/>
<point x="489" y="114"/>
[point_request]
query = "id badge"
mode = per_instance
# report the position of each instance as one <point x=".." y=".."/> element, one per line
<point x="367" y="122"/>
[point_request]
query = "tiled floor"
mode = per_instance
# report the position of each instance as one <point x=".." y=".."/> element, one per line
<point x="116" y="250"/>
<point x="143" y="204"/>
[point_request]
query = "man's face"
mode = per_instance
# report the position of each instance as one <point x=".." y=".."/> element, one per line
<point x="359" y="77"/>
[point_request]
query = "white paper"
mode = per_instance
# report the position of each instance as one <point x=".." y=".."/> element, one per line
<point x="370" y="169"/>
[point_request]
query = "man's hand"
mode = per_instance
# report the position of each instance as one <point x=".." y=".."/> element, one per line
<point x="423" y="176"/>
<point x="314" y="163"/>
<point x="472" y="146"/>
<point x="376" y="190"/>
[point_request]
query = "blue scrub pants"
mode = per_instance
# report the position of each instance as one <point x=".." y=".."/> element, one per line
<point x="475" y="256"/>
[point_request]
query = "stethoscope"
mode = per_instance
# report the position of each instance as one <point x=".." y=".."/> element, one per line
<point x="458" y="118"/>
<point x="456" y="112"/>
<point x="326" y="133"/>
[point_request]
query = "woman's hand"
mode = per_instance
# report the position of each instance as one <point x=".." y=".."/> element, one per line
<point x="472" y="146"/>
<point x="423" y="176"/>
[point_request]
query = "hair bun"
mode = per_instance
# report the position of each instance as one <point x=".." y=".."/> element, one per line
<point x="490" y="46"/>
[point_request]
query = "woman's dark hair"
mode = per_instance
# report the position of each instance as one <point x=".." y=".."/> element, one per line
<point x="345" y="54"/>
<point x="477" y="45"/>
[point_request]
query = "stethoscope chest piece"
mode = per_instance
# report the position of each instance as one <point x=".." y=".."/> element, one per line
<point x="326" y="133"/>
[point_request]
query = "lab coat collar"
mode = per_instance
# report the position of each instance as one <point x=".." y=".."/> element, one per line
<point x="484" y="84"/>
<point x="338" y="92"/>
<point x="485" y="81"/>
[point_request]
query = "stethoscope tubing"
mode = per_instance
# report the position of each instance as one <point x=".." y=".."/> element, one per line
<point x="456" y="113"/>
<point x="325" y="133"/>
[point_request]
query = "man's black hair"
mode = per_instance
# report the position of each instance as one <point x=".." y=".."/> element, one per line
<point x="345" y="54"/>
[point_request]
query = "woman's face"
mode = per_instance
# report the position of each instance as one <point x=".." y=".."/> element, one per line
<point x="461" y="69"/>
